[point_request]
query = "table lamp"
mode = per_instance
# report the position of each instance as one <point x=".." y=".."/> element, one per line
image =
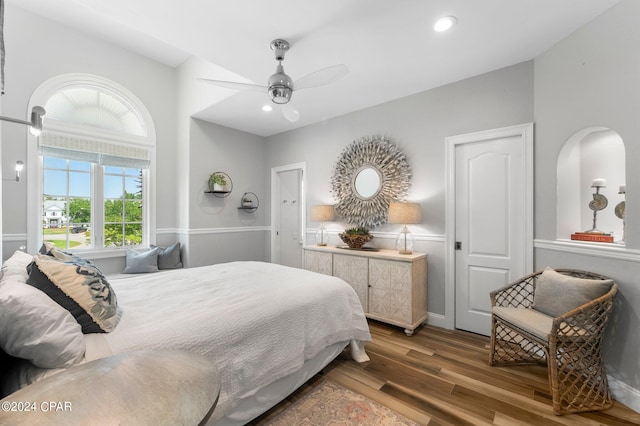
<point x="405" y="214"/>
<point x="322" y="213"/>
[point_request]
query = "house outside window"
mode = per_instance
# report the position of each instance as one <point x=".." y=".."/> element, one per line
<point x="95" y="174"/>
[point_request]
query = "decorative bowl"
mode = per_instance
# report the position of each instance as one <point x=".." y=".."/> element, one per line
<point x="355" y="241"/>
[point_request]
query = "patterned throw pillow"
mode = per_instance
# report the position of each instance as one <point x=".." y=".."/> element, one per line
<point x="78" y="286"/>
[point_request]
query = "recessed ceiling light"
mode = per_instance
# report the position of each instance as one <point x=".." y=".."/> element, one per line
<point x="267" y="108"/>
<point x="444" y="23"/>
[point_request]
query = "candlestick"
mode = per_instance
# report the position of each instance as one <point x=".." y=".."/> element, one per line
<point x="599" y="202"/>
<point x="623" y="189"/>
<point x="620" y="212"/>
<point x="599" y="183"/>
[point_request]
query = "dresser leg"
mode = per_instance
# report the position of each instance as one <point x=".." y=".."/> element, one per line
<point x="408" y="332"/>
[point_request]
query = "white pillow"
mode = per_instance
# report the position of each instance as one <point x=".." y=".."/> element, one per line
<point x="16" y="265"/>
<point x="34" y="327"/>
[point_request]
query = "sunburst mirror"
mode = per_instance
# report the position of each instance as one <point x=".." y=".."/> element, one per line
<point x="369" y="174"/>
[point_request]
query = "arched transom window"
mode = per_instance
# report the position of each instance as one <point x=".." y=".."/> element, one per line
<point x="95" y="153"/>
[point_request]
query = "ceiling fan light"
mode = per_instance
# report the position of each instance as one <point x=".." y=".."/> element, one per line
<point x="280" y="94"/>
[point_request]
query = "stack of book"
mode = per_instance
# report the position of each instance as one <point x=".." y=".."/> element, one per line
<point x="587" y="236"/>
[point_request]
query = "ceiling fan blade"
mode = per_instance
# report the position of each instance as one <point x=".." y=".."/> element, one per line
<point x="290" y="112"/>
<point x="321" y="77"/>
<point x="235" y="86"/>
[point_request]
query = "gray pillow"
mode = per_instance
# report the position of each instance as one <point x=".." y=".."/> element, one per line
<point x="141" y="262"/>
<point x="557" y="293"/>
<point x="169" y="257"/>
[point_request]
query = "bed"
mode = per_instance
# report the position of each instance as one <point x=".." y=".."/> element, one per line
<point x="267" y="327"/>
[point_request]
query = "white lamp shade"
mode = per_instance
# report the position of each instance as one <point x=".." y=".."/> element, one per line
<point x="404" y="213"/>
<point x="322" y="213"/>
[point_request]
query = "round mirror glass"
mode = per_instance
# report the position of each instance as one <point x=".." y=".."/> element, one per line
<point x="367" y="182"/>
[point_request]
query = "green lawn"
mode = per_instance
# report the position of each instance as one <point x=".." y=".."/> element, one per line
<point x="54" y="231"/>
<point x="62" y="244"/>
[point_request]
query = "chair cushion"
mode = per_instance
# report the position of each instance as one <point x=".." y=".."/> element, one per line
<point x="526" y="319"/>
<point x="556" y="293"/>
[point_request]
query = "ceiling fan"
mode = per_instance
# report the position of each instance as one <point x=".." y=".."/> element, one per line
<point x="281" y="87"/>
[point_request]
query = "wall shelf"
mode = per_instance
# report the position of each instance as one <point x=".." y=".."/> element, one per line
<point x="249" y="202"/>
<point x="224" y="190"/>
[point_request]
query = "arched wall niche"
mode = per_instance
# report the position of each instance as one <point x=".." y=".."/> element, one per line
<point x="591" y="153"/>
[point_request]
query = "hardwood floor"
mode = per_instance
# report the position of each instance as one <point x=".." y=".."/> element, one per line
<point x="441" y="377"/>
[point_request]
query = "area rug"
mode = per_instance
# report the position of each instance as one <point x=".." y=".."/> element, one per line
<point x="332" y="405"/>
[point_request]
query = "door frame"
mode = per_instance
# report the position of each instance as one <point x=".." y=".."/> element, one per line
<point x="275" y="205"/>
<point x="525" y="132"/>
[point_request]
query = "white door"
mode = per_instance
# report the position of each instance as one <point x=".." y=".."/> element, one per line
<point x="493" y="220"/>
<point x="287" y="215"/>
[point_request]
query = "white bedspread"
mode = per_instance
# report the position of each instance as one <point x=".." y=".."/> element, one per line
<point x="258" y="321"/>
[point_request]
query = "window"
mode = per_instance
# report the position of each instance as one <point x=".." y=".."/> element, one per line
<point x="123" y="202"/>
<point x="96" y="155"/>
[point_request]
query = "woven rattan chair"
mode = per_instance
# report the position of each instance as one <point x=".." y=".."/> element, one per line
<point x="569" y="344"/>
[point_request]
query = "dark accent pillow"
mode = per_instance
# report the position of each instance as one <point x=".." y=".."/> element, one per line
<point x="169" y="257"/>
<point x="80" y="288"/>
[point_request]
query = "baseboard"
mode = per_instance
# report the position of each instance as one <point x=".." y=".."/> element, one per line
<point x="436" y="320"/>
<point x="624" y="394"/>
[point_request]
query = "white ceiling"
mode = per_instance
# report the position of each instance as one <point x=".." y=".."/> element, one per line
<point x="389" y="45"/>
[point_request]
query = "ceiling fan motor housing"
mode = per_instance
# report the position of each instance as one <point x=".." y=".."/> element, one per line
<point x="280" y="86"/>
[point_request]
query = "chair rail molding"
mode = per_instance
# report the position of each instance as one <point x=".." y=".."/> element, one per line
<point x="602" y="250"/>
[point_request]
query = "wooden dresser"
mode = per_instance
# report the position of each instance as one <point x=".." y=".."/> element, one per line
<point x="392" y="287"/>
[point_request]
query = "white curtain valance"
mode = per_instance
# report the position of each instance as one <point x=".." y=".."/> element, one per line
<point x="100" y="152"/>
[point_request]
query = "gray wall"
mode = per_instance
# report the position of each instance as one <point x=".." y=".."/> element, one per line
<point x="592" y="78"/>
<point x="217" y="230"/>
<point x="60" y="51"/>
<point x="419" y="125"/>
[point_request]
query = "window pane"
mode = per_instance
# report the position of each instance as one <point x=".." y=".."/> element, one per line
<point x="133" y="187"/>
<point x="113" y="235"/>
<point x="113" y="170"/>
<point x="133" y="211"/>
<point x="54" y="183"/>
<point x="54" y="163"/>
<point x="113" y="187"/>
<point x="133" y="234"/>
<point x="113" y="211"/>
<point x="83" y="166"/>
<point x="80" y="211"/>
<point x="79" y="184"/>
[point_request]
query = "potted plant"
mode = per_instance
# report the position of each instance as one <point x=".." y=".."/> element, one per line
<point x="217" y="182"/>
<point x="356" y="237"/>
